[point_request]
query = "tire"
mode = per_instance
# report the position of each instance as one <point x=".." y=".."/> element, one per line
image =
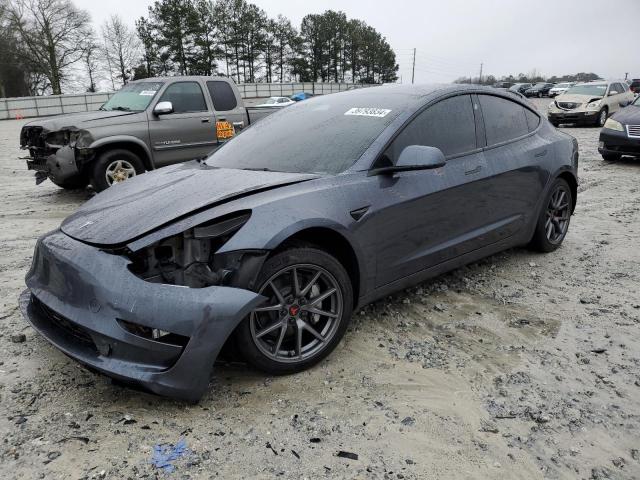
<point x="129" y="166"/>
<point x="557" y="205"/>
<point x="611" y="157"/>
<point x="602" y="117"/>
<point x="73" y="183"/>
<point x="282" y="318"/>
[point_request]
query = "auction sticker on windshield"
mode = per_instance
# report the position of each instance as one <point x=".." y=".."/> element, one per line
<point x="368" y="112"/>
<point x="148" y="93"/>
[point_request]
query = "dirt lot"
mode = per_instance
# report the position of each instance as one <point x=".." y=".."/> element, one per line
<point x="520" y="366"/>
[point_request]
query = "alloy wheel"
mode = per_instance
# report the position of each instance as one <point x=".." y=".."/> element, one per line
<point x="302" y="315"/>
<point x="558" y="214"/>
<point x="118" y="171"/>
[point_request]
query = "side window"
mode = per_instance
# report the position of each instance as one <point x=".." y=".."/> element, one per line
<point x="185" y="97"/>
<point x="222" y="94"/>
<point x="504" y="120"/>
<point x="448" y="125"/>
<point x="533" y="120"/>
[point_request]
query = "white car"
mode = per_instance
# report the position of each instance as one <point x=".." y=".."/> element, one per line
<point x="277" y="102"/>
<point x="560" y="88"/>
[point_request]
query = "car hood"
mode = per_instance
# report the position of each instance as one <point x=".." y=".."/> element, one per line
<point x="88" y="120"/>
<point x="133" y="208"/>
<point x="628" y="115"/>
<point x="574" y="98"/>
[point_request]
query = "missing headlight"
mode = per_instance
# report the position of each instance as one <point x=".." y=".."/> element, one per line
<point x="189" y="259"/>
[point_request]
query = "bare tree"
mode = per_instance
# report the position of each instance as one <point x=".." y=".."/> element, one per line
<point x="122" y="47"/>
<point x="91" y="63"/>
<point x="53" y="33"/>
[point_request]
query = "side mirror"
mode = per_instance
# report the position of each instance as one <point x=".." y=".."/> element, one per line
<point x="414" y="157"/>
<point x="163" y="108"/>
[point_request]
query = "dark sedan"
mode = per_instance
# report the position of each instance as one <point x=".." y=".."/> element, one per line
<point x="539" y="90"/>
<point x="275" y="239"/>
<point x="621" y="133"/>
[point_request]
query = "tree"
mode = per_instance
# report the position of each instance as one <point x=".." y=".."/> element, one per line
<point x="91" y="63"/>
<point x="53" y="34"/>
<point x="121" y="48"/>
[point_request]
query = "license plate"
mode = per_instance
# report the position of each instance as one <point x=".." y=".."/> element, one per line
<point x="224" y="130"/>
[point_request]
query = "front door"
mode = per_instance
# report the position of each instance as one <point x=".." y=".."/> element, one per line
<point x="423" y="218"/>
<point x="187" y="133"/>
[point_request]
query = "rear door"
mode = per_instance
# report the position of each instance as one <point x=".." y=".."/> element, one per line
<point x="230" y="111"/>
<point x="514" y="155"/>
<point x="187" y="133"/>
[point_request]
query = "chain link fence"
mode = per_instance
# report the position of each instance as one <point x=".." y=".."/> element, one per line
<point x="27" y="107"/>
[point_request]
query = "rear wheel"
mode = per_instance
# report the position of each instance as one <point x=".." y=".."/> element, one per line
<point x="553" y="222"/>
<point x="115" y="166"/>
<point x="309" y="306"/>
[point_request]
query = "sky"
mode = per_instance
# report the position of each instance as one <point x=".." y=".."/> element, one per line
<point x="453" y="37"/>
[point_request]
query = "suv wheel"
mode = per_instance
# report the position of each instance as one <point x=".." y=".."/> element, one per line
<point x="602" y="117"/>
<point x="115" y="166"/>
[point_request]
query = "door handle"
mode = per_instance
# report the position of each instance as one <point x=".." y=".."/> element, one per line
<point x="205" y="120"/>
<point x="473" y="170"/>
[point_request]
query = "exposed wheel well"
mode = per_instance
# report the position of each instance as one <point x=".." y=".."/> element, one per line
<point x="334" y="244"/>
<point x="133" y="147"/>
<point x="573" y="185"/>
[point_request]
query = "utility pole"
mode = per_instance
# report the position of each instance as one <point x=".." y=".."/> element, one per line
<point x="413" y="69"/>
<point x="480" y="77"/>
<point x="626" y="74"/>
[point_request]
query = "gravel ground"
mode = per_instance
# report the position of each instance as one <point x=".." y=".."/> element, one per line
<point x="519" y="366"/>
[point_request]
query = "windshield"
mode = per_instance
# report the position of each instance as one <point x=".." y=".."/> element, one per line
<point x="325" y="134"/>
<point x="540" y="85"/>
<point x="595" y="90"/>
<point x="133" y="97"/>
<point x="563" y="85"/>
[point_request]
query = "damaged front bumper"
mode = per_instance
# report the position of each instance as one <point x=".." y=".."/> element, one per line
<point x="58" y="155"/>
<point x="82" y="299"/>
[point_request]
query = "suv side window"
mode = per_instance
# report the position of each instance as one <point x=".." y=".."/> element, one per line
<point x="185" y="97"/>
<point x="504" y="120"/>
<point x="448" y="125"/>
<point x="222" y="95"/>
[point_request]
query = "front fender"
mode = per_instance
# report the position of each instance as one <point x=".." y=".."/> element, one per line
<point x="119" y="139"/>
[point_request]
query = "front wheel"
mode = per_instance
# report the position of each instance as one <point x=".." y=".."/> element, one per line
<point x="553" y="222"/>
<point x="115" y="166"/>
<point x="309" y="306"/>
<point x="602" y="117"/>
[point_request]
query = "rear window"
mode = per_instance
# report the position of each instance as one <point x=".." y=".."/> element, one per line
<point x="504" y="120"/>
<point x="222" y="95"/>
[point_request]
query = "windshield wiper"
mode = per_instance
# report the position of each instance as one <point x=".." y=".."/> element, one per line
<point x="121" y="108"/>
<point x="261" y="169"/>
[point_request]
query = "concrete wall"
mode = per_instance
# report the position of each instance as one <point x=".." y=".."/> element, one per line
<point x="26" y="107"/>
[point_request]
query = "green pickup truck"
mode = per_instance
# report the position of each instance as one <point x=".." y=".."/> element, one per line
<point x="147" y="124"/>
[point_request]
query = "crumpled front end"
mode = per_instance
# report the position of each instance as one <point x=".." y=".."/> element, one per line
<point x="59" y="155"/>
<point x="162" y="337"/>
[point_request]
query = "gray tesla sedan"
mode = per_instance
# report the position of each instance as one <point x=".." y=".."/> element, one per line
<point x="273" y="241"/>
